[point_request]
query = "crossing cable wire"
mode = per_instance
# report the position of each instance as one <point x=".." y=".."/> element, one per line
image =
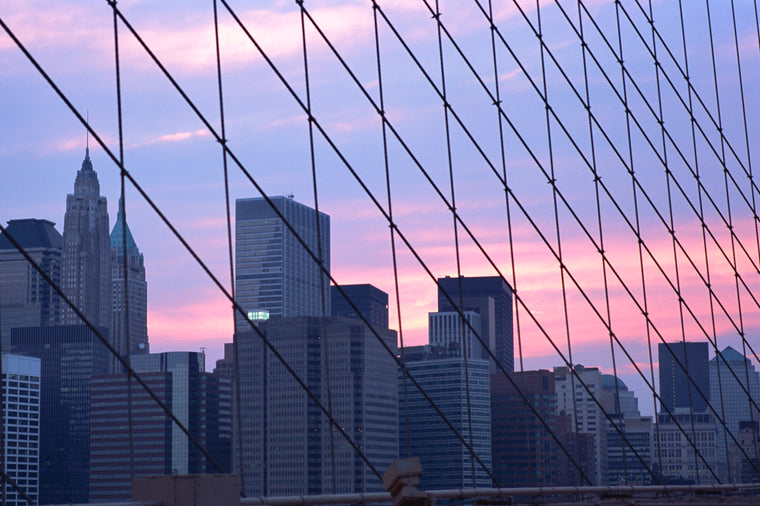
<point x="535" y="87"/>
<point x="672" y="227"/>
<point x="125" y="267"/>
<point x="549" y="178"/>
<point x="390" y="228"/>
<point x="749" y="166"/>
<point x="463" y="328"/>
<point x="705" y="109"/>
<point x="644" y="193"/>
<point x="575" y="422"/>
<point x="462" y="223"/>
<point x="636" y="217"/>
<point x="438" y="192"/>
<point x="235" y="354"/>
<point x="699" y="214"/>
<point x="728" y="209"/>
<point x="502" y="152"/>
<point x="320" y="254"/>
<point x="712" y="148"/>
<point x="68" y="301"/>
<point x="179" y="237"/>
<point x="256" y="185"/>
<point x="4" y="478"/>
<point x="200" y="262"/>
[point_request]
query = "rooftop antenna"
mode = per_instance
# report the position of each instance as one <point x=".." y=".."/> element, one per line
<point x="290" y="196"/>
<point x="87" y="145"/>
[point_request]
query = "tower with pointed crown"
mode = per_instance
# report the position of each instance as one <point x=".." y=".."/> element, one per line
<point x="129" y="322"/>
<point x="86" y="258"/>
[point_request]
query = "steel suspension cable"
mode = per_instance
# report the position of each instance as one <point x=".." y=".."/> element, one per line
<point x="241" y="471"/>
<point x="320" y="253"/>
<point x="391" y="227"/>
<point x="124" y="347"/>
<point x="463" y="328"/>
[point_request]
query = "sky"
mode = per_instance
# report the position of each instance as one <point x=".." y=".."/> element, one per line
<point x="178" y="162"/>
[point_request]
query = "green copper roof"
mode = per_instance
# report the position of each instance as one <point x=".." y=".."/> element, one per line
<point x="117" y="234"/>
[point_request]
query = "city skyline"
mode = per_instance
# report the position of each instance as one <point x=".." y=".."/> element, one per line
<point x="179" y="163"/>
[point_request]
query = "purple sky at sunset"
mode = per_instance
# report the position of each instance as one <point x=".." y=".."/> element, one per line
<point x="179" y="163"/>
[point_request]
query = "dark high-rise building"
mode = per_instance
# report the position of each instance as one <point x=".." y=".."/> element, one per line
<point x="676" y="390"/>
<point x="186" y="368"/>
<point x="286" y="440"/>
<point x="274" y="274"/>
<point x="135" y="296"/>
<point x="150" y="445"/>
<point x="26" y="299"/>
<point x="370" y="300"/>
<point x="445" y="376"/>
<point x="70" y="356"/>
<point x="86" y="269"/>
<point x="523" y="451"/>
<point x="201" y="401"/>
<point x="491" y="298"/>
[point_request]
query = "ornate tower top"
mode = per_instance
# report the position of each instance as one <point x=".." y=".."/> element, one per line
<point x="86" y="184"/>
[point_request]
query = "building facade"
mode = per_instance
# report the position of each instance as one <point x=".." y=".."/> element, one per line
<point x="629" y="455"/>
<point x="288" y="445"/>
<point x="274" y="273"/>
<point x="583" y="405"/>
<point x="447" y="380"/>
<point x="26" y="299"/>
<point x="448" y="330"/>
<point x="677" y="388"/>
<point x="675" y="440"/>
<point x="523" y="451"/>
<point x="70" y="355"/>
<point x="86" y="269"/>
<point x="491" y="298"/>
<point x="371" y="302"/>
<point x="735" y="395"/>
<point x="20" y="385"/>
<point x="129" y="294"/>
<point x="114" y="441"/>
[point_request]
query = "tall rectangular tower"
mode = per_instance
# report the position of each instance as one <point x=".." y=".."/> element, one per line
<point x="129" y="318"/>
<point x="273" y="271"/>
<point x="20" y="385"/>
<point x="676" y="389"/>
<point x="86" y="271"/>
<point x="286" y="440"/>
<point x="26" y="299"/>
<point x="491" y="298"/>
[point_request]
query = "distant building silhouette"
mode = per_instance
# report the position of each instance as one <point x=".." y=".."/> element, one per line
<point x="200" y="400"/>
<point x="86" y="271"/>
<point x="70" y="356"/>
<point x="585" y="413"/>
<point x="136" y="292"/>
<point x="20" y="385"/>
<point x="442" y="373"/>
<point x="26" y="299"/>
<point x="371" y="302"/>
<point x="491" y="298"/>
<point x="274" y="274"/>
<point x="729" y="399"/>
<point x="285" y="437"/>
<point x="523" y="451"/>
<point x="677" y="388"/>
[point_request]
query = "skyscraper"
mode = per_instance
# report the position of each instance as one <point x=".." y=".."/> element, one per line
<point x="676" y="389"/>
<point x="444" y="375"/>
<point x="70" y="355"/>
<point x="273" y="271"/>
<point x="86" y="271"/>
<point x="136" y="291"/>
<point x="729" y="398"/>
<point x="286" y="440"/>
<point x="20" y="385"/>
<point x="491" y="298"/>
<point x="370" y="300"/>
<point x="26" y="299"/>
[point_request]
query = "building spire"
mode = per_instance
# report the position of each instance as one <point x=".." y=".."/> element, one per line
<point x="87" y="145"/>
